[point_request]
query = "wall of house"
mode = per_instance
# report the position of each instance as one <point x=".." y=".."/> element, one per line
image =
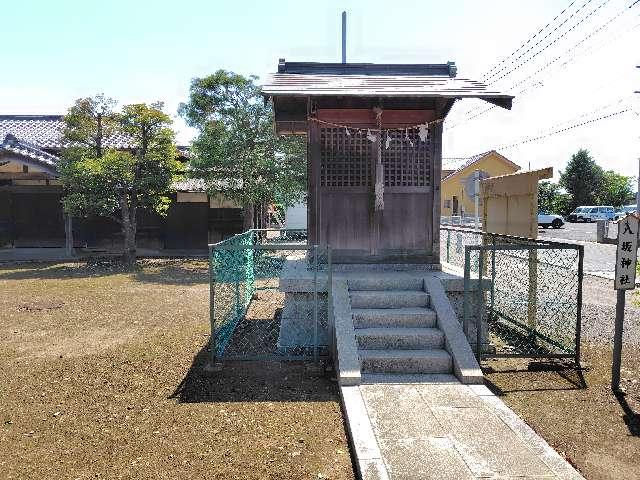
<point x="16" y="167"/>
<point x="31" y="216"/>
<point x="454" y="185"/>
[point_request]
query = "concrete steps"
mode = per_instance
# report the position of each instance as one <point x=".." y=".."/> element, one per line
<point x="399" y="338"/>
<point x="378" y="283"/>
<point x="388" y="298"/>
<point x="402" y="378"/>
<point x="405" y="361"/>
<point x="396" y="331"/>
<point x="409" y="317"/>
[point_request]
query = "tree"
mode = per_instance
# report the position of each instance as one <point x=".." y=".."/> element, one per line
<point x="552" y="199"/>
<point x="115" y="183"/>
<point x="616" y="189"/>
<point x="582" y="179"/>
<point x="237" y="152"/>
<point x="547" y="193"/>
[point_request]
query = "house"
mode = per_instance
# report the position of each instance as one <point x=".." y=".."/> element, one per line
<point x="30" y="198"/>
<point x="458" y="184"/>
<point x="374" y="136"/>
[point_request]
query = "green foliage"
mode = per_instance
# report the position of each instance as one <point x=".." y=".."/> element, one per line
<point x="616" y="189"/>
<point x="237" y="151"/>
<point x="588" y="184"/>
<point x="115" y="183"/>
<point x="547" y="192"/>
<point x="89" y="121"/>
<point x="552" y="199"/>
<point x="582" y="179"/>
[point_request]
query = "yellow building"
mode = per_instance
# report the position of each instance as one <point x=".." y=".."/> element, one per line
<point x="458" y="185"/>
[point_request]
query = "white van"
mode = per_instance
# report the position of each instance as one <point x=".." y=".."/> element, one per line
<point x="592" y="213"/>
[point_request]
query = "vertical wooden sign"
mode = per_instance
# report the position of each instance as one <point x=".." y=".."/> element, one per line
<point x="626" y="253"/>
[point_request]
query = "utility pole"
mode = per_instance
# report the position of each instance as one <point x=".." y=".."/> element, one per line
<point x="637" y="92"/>
<point x="626" y="257"/>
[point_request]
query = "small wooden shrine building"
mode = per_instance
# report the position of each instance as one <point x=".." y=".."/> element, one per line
<point x="374" y="135"/>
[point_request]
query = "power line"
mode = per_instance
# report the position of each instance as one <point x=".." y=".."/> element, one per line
<point x="587" y="2"/>
<point x="526" y="43"/>
<point x="594" y="32"/>
<point x="562" y="130"/>
<point x="548" y="64"/>
<point x="550" y="44"/>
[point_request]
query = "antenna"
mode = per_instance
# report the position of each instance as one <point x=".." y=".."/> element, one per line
<point x="344" y="37"/>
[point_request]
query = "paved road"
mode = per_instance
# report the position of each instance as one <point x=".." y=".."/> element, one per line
<point x="599" y="259"/>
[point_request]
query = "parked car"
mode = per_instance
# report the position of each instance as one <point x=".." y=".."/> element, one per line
<point x="622" y="212"/>
<point x="546" y="220"/>
<point x="592" y="213"/>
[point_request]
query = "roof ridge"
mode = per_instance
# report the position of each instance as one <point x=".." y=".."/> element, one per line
<point x="11" y="116"/>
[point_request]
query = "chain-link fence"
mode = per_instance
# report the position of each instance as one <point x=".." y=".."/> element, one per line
<point x="251" y="317"/>
<point x="528" y="293"/>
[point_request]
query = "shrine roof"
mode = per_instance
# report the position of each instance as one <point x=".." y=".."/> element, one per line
<point x="309" y="79"/>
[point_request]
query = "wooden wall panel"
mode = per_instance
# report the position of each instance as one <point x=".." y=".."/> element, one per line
<point x="344" y="218"/>
<point x="404" y="223"/>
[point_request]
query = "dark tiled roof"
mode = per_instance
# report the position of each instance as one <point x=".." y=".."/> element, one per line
<point x="44" y="159"/>
<point x="45" y="131"/>
<point x="190" y="185"/>
<point x="446" y="69"/>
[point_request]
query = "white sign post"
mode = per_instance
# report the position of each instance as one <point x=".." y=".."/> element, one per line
<point x="626" y="255"/>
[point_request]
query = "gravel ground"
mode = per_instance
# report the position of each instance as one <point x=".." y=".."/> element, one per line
<point x="599" y="312"/>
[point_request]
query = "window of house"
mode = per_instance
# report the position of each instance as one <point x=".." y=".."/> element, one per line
<point x="447" y="203"/>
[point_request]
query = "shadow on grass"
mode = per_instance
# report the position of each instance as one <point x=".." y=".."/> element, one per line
<point x="163" y="271"/>
<point x="254" y="381"/>
<point x="631" y="418"/>
<point x="535" y="377"/>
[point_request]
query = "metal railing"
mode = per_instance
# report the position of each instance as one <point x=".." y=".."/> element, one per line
<point x="250" y="317"/>
<point x="463" y="220"/>
<point x="527" y="295"/>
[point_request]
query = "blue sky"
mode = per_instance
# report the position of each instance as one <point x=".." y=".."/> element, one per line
<point x="56" y="51"/>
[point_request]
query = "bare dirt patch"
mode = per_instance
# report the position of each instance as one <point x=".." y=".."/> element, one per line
<point x="110" y="384"/>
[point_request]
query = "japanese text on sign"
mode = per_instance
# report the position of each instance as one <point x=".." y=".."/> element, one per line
<point x="626" y="253"/>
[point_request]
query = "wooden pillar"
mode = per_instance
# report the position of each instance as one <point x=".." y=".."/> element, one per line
<point x="436" y="173"/>
<point x="313" y="181"/>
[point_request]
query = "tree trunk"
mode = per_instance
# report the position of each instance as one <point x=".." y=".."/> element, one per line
<point x="264" y="215"/>
<point x="248" y="215"/>
<point x="129" y="232"/>
<point x="68" y="234"/>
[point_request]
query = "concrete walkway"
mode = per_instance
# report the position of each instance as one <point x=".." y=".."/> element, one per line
<point x="442" y="429"/>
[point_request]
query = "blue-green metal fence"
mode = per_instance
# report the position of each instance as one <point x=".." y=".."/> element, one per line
<point x="251" y="318"/>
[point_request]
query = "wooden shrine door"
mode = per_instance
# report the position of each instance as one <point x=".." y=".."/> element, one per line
<point x="343" y="169"/>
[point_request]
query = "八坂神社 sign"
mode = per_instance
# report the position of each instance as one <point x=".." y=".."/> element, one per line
<point x="626" y="253"/>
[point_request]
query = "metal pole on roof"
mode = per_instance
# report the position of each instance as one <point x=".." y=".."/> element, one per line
<point x="344" y="37"/>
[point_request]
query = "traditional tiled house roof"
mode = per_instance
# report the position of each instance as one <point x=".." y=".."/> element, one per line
<point x="39" y="138"/>
<point x="45" y="131"/>
<point x="11" y="144"/>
